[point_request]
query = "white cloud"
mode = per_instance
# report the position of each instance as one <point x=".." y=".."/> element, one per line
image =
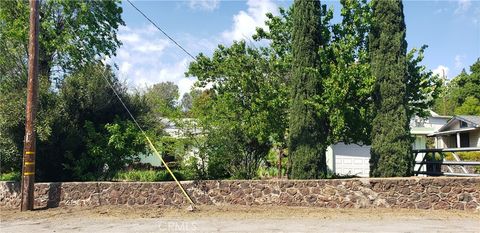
<point x="459" y="61"/>
<point x="207" y="5"/>
<point x="125" y="67"/>
<point x="185" y="84"/>
<point x="245" y="22"/>
<point x="128" y="37"/>
<point x="146" y="58"/>
<point x="150" y="47"/>
<point x="463" y="6"/>
<point x="441" y="70"/>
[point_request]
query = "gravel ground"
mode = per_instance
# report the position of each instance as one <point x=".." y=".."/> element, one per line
<point x="236" y="219"/>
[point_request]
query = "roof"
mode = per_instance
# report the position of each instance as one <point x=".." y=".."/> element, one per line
<point x="473" y="120"/>
<point x="434" y="114"/>
<point x="421" y="130"/>
<point x="451" y="131"/>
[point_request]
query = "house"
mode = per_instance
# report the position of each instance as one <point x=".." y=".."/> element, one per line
<point x="354" y="159"/>
<point x="175" y="130"/>
<point x="459" y="131"/>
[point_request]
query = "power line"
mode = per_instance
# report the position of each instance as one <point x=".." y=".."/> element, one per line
<point x="164" y="33"/>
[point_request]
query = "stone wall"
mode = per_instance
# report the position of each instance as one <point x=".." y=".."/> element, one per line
<point x="413" y="193"/>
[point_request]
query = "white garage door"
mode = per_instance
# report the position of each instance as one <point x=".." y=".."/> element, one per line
<point x="352" y="159"/>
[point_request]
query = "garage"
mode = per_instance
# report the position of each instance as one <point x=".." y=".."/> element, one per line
<point x="350" y="159"/>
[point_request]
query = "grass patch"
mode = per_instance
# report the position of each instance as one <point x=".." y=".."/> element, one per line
<point x="10" y="176"/>
<point x="147" y="175"/>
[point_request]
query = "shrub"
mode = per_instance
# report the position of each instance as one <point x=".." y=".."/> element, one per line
<point x="466" y="156"/>
<point x="10" y="176"/>
<point x="147" y="175"/>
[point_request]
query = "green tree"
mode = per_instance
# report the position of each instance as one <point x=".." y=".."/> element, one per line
<point x="308" y="131"/>
<point x="391" y="141"/>
<point x="243" y="112"/>
<point x="162" y="98"/>
<point x="471" y="106"/>
<point x="58" y="56"/>
<point x="187" y="100"/>
<point x="346" y="99"/>
<point x="92" y="136"/>
<point x="95" y="24"/>
<point x="346" y="76"/>
<point x="460" y="94"/>
<point x="345" y="70"/>
<point x="423" y="88"/>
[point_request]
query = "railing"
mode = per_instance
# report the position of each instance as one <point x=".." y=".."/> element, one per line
<point x="434" y="164"/>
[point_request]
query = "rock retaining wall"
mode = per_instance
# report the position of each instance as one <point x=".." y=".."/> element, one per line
<point x="412" y="193"/>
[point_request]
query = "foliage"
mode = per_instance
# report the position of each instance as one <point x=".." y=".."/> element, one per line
<point x="186" y="103"/>
<point x="191" y="170"/>
<point x="10" y="176"/>
<point x="59" y="125"/>
<point x="391" y="142"/>
<point x="308" y="130"/>
<point x="346" y="99"/>
<point x="461" y="96"/>
<point x="244" y="108"/>
<point x="106" y="153"/>
<point x="93" y="130"/>
<point x="269" y="168"/>
<point x="471" y="106"/>
<point x="346" y="79"/>
<point x="423" y="88"/>
<point x="173" y="148"/>
<point x="341" y="176"/>
<point x="95" y="24"/>
<point x="162" y="99"/>
<point x="147" y="175"/>
<point x="466" y="156"/>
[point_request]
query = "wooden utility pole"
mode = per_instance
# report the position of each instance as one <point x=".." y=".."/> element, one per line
<point x="28" y="166"/>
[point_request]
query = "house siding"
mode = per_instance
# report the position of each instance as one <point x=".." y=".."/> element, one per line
<point x="435" y="123"/>
<point x="448" y="141"/>
<point x="475" y="138"/>
<point x="455" y="125"/>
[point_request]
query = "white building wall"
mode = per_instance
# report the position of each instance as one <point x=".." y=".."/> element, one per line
<point x="349" y="159"/>
<point x="475" y="138"/>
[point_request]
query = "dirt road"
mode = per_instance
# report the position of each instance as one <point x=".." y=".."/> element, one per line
<point x="236" y="219"/>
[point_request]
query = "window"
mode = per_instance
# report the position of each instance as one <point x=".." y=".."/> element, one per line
<point x="463" y="124"/>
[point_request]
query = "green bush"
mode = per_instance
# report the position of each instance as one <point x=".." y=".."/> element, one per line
<point x="191" y="169"/>
<point x="147" y="175"/>
<point x="464" y="156"/>
<point x="10" y="176"/>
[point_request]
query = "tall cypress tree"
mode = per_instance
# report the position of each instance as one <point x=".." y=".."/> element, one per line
<point x="308" y="131"/>
<point x="391" y="141"/>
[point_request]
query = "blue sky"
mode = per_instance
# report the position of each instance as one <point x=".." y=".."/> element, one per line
<point x="451" y="29"/>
